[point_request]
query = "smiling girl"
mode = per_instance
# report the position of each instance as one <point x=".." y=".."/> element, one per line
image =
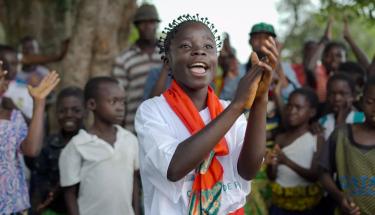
<point x="197" y="153"/>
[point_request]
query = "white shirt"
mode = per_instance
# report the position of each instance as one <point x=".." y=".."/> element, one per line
<point x="104" y="172"/>
<point x="159" y="133"/>
<point x="301" y="152"/>
<point x="20" y="96"/>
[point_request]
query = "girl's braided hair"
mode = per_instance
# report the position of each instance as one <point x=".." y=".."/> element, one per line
<point x="172" y="28"/>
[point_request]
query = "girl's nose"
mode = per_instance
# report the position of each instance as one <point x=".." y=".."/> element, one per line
<point x="198" y="51"/>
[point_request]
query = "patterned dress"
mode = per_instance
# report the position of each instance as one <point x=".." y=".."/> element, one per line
<point x="14" y="195"/>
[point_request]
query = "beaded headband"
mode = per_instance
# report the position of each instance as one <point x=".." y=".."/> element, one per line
<point x="170" y="31"/>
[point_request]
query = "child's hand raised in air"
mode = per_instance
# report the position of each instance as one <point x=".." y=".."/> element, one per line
<point x="48" y="83"/>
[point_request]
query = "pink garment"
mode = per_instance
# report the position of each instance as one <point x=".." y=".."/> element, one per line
<point x="14" y="196"/>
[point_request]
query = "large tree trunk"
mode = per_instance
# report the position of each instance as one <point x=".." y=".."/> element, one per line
<point x="44" y="20"/>
<point x="76" y="64"/>
<point x="95" y="41"/>
<point x="98" y="30"/>
<point x="107" y="42"/>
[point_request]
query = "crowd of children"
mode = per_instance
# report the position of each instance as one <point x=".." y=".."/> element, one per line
<point x="282" y="139"/>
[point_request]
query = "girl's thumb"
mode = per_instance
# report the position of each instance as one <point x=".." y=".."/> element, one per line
<point x="254" y="58"/>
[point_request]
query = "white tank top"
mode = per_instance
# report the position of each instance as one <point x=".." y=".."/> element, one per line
<point x="301" y="152"/>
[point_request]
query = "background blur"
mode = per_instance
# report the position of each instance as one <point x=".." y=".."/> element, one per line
<point x="99" y="29"/>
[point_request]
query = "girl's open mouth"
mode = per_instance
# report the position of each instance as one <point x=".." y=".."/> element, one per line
<point x="198" y="69"/>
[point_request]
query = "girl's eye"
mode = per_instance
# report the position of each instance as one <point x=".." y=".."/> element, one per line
<point x="184" y="46"/>
<point x="209" y="46"/>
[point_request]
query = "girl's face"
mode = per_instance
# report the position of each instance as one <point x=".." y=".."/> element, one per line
<point x="298" y="110"/>
<point x="193" y="56"/>
<point x="369" y="106"/>
<point x="340" y="95"/>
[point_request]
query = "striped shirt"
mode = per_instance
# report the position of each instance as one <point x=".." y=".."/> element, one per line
<point x="131" y="70"/>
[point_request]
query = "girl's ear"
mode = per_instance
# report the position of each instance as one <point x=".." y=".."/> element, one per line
<point x="91" y="104"/>
<point x="166" y="61"/>
<point x="167" y="64"/>
<point x="167" y="58"/>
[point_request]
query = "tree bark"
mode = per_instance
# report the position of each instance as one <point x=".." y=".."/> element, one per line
<point x="95" y="42"/>
<point x="76" y="64"/>
<point x="98" y="30"/>
<point x="106" y="43"/>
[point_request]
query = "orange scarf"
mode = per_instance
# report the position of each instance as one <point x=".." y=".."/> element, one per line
<point x="207" y="186"/>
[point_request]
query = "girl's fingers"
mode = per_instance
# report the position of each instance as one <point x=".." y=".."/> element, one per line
<point x="266" y="67"/>
<point x="271" y="46"/>
<point x="48" y="83"/>
<point x="254" y="58"/>
<point x="48" y="80"/>
<point x="272" y="40"/>
<point x="50" y="77"/>
<point x="272" y="59"/>
<point x="255" y="71"/>
<point x="50" y="87"/>
<point x="270" y="49"/>
<point x="44" y="80"/>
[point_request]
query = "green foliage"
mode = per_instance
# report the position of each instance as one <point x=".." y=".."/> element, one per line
<point x="308" y="23"/>
<point x="355" y="8"/>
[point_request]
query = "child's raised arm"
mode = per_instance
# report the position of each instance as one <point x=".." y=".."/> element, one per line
<point x="317" y="53"/>
<point x="359" y="54"/>
<point x="32" y="144"/>
<point x="253" y="149"/>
